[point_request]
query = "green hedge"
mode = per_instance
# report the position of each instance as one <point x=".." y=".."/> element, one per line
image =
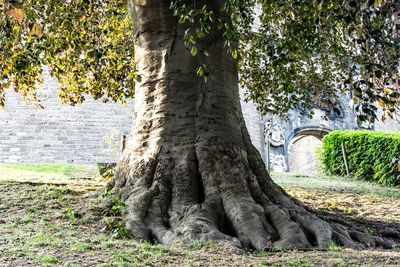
<point x="370" y="155"/>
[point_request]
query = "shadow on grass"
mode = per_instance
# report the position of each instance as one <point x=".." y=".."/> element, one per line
<point x="388" y="230"/>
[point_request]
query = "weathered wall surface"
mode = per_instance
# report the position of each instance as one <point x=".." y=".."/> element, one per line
<point x="254" y="125"/>
<point x="279" y="134"/>
<point x="389" y="124"/>
<point x="303" y="156"/>
<point x="61" y="133"/>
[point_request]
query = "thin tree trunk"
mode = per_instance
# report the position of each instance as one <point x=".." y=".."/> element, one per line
<point x="189" y="171"/>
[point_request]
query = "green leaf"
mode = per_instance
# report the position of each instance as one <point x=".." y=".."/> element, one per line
<point x="194" y="51"/>
<point x="234" y="53"/>
<point x="200" y="71"/>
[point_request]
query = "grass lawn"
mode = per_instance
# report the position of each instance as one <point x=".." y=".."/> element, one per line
<point x="48" y="173"/>
<point x="43" y="223"/>
<point x="334" y="184"/>
<point x="15" y="170"/>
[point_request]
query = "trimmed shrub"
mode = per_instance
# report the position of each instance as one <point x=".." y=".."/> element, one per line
<point x="370" y="155"/>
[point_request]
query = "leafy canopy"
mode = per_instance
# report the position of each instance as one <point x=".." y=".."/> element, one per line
<point x="87" y="45"/>
<point x="290" y="53"/>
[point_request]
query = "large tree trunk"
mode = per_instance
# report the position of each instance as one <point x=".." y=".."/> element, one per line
<point x="189" y="172"/>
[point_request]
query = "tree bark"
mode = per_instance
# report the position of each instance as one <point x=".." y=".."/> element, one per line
<point x="189" y="172"/>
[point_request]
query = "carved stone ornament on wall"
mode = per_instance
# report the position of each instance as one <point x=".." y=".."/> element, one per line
<point x="335" y="112"/>
<point x="274" y="133"/>
<point x="278" y="163"/>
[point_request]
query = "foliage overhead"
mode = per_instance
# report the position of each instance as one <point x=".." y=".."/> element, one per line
<point x="290" y="53"/>
<point x="87" y="45"/>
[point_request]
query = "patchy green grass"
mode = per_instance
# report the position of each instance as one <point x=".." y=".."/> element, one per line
<point x="47" y="225"/>
<point x="301" y="262"/>
<point x="373" y="206"/>
<point x="51" y="171"/>
<point x="48" y="259"/>
<point x="334" y="184"/>
<point x="82" y="246"/>
<point x="57" y="169"/>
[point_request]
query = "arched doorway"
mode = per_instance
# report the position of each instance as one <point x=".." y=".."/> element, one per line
<point x="302" y="150"/>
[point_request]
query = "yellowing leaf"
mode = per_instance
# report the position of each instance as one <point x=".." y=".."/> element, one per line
<point x="37" y="30"/>
<point x="291" y="14"/>
<point x="5" y="71"/>
<point x="377" y="3"/>
<point x="15" y="13"/>
<point x="346" y="31"/>
<point x="386" y="90"/>
<point x="2" y="100"/>
<point x="141" y="2"/>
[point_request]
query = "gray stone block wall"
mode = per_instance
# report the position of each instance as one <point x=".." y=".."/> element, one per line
<point x="280" y="133"/>
<point x="389" y="124"/>
<point x="62" y="133"/>
<point x="253" y="123"/>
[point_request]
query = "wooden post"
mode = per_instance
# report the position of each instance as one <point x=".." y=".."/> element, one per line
<point x="345" y="160"/>
<point x="123" y="143"/>
<point x="268" y="161"/>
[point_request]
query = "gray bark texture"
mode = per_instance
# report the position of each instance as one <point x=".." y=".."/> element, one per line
<point x="189" y="172"/>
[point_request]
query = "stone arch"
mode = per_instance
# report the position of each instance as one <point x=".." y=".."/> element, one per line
<point x="303" y="134"/>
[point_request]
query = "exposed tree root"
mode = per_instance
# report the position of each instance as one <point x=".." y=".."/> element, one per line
<point x="222" y="193"/>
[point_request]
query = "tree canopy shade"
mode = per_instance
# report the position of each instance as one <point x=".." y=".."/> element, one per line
<point x="189" y="172"/>
<point x="290" y="52"/>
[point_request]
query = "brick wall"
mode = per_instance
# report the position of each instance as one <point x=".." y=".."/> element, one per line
<point x="62" y="133"/>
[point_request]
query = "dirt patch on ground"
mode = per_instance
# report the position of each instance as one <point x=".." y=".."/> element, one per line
<point x="376" y="212"/>
<point x="41" y="225"/>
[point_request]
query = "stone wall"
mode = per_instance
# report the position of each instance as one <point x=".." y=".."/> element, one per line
<point x="82" y="134"/>
<point x="253" y="123"/>
<point x="280" y="133"/>
<point x="303" y="156"/>
<point x="389" y="124"/>
<point x="61" y="133"/>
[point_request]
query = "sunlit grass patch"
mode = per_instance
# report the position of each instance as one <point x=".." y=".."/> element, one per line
<point x="31" y="171"/>
<point x="48" y="259"/>
<point x="65" y="169"/>
<point x="302" y="262"/>
<point x="81" y="246"/>
<point x="334" y="184"/>
<point x="44" y="240"/>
